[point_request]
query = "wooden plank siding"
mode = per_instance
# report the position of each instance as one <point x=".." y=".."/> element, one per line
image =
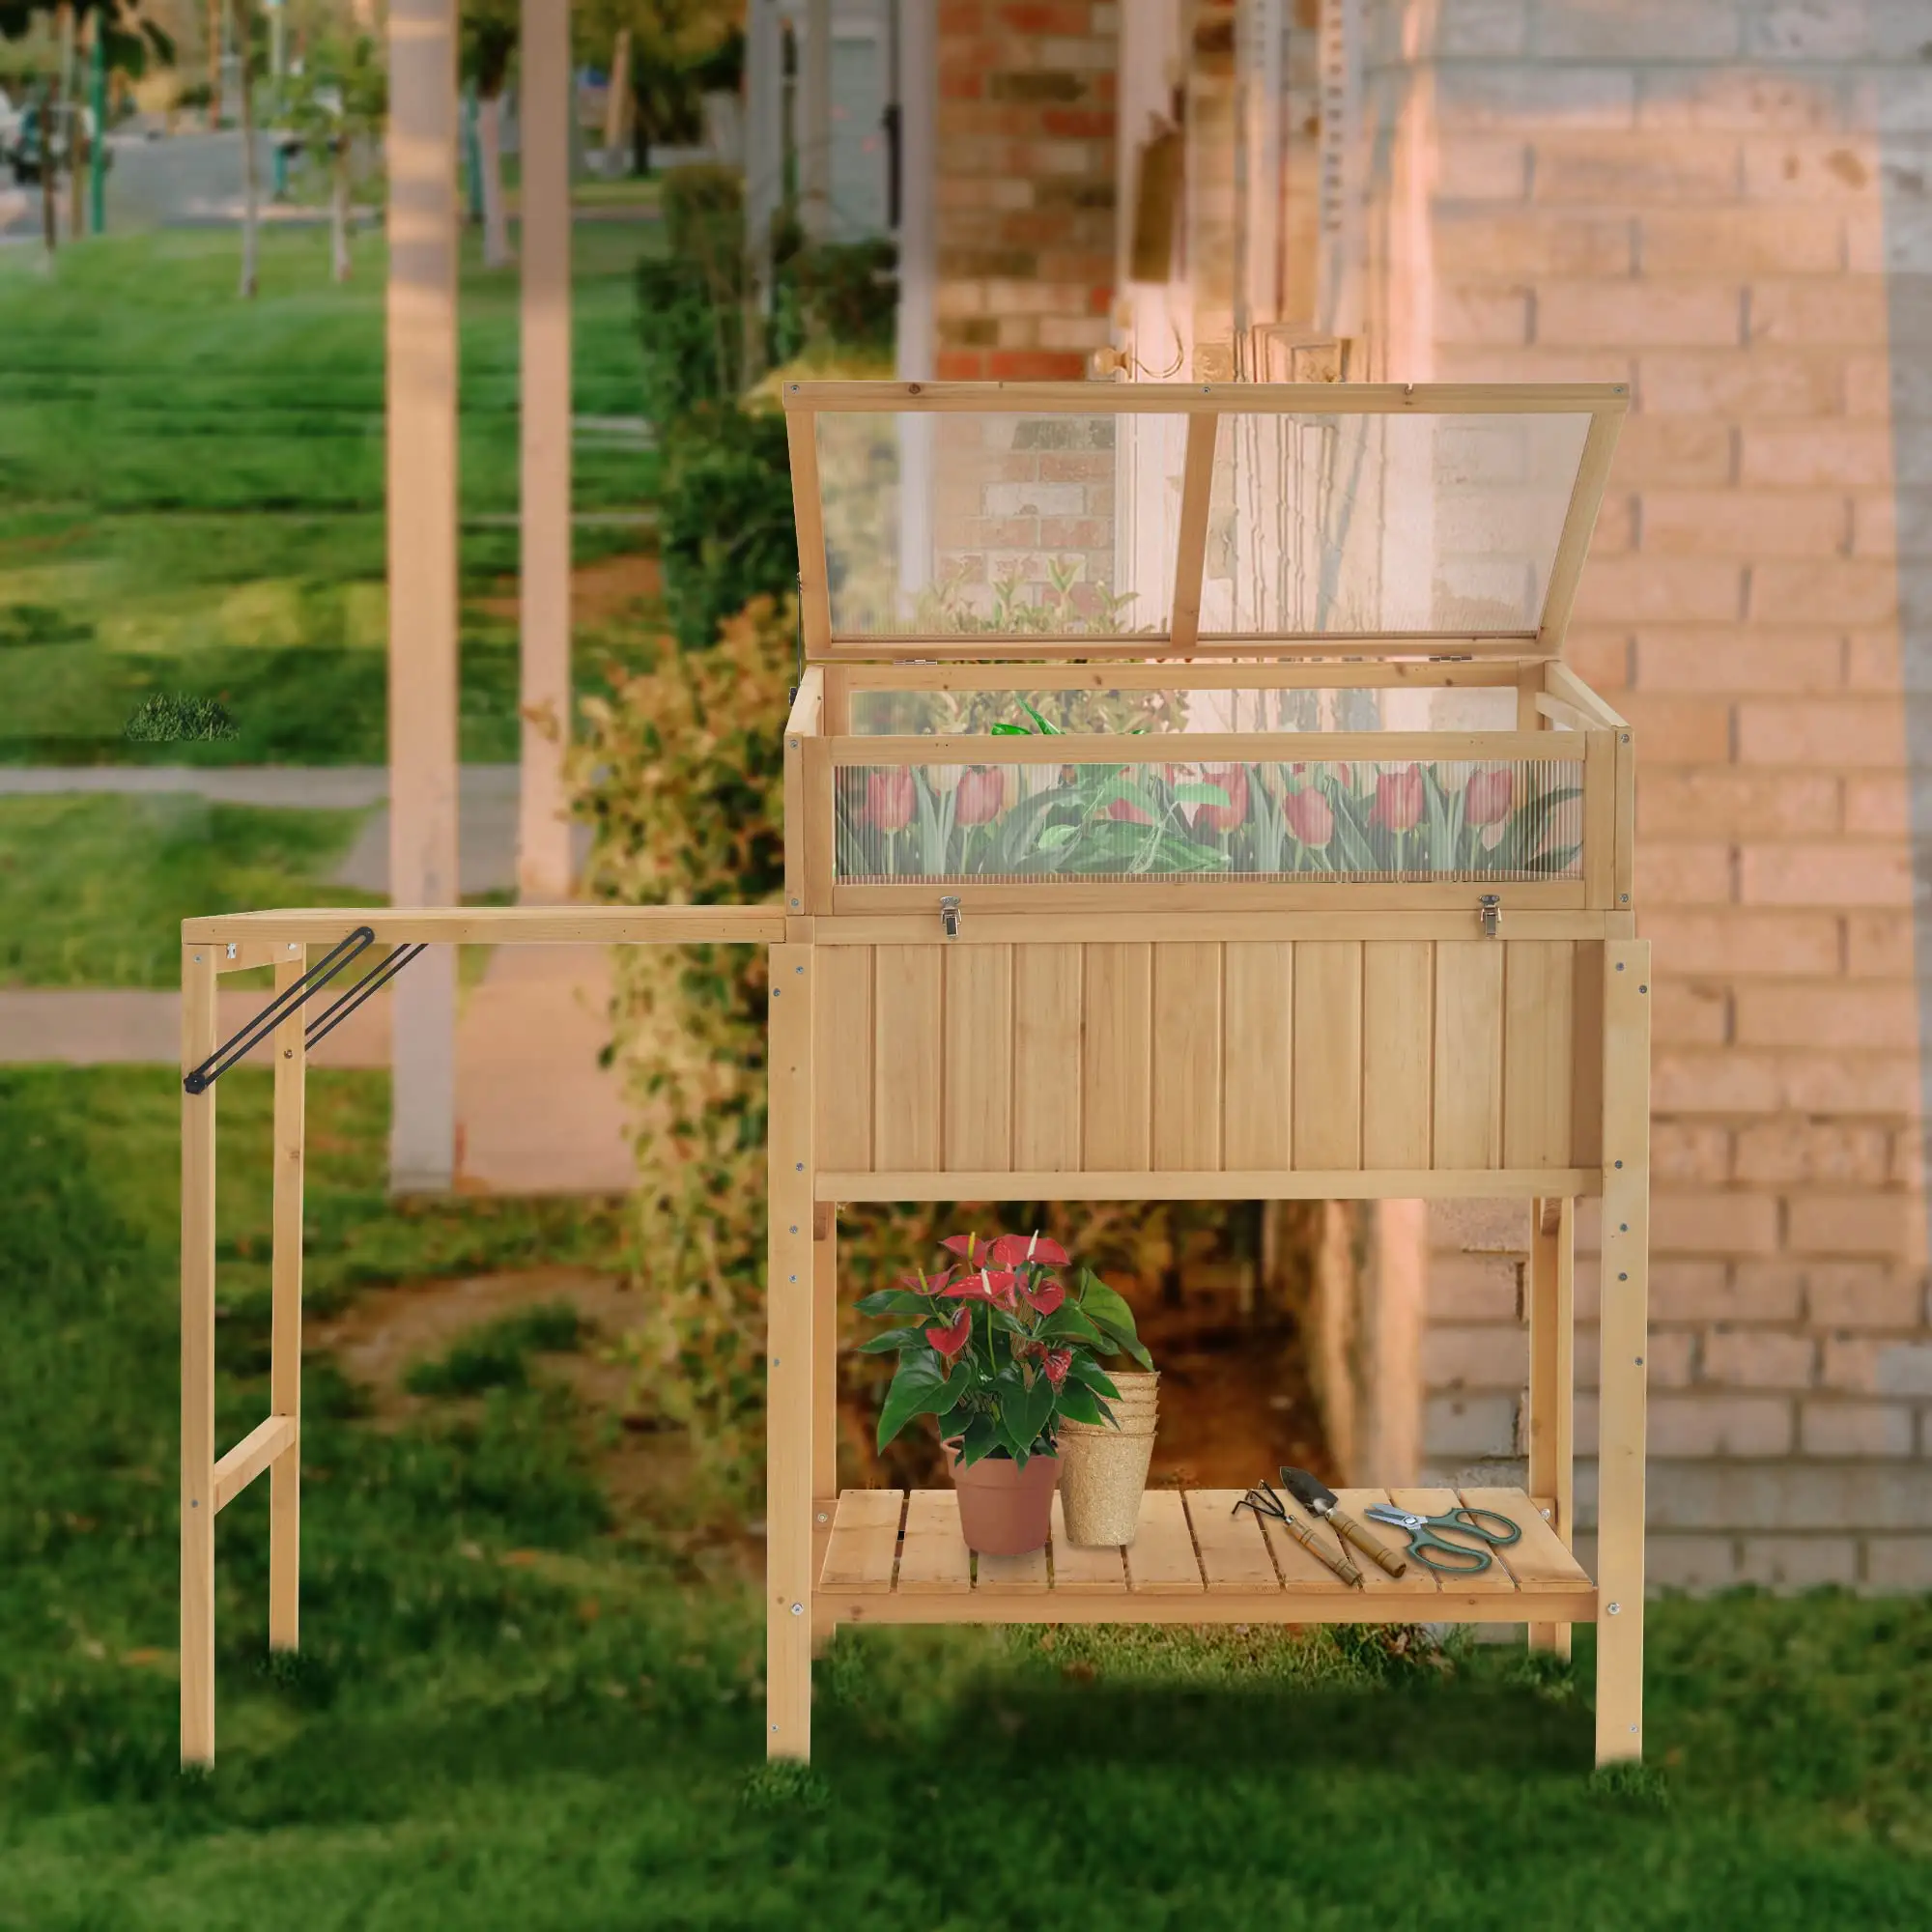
<point x="1235" y="1057"/>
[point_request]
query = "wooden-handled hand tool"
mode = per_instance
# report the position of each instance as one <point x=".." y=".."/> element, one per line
<point x="1315" y="1496"/>
<point x="1265" y="1502"/>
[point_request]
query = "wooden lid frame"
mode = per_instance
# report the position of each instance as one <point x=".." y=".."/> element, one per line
<point x="1204" y="404"/>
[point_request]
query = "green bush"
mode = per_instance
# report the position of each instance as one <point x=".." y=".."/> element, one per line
<point x="725" y="526"/>
<point x="176" y="718"/>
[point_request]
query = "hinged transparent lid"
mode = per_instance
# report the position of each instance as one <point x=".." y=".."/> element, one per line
<point x="1021" y="520"/>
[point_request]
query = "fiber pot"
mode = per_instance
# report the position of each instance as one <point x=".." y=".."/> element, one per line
<point x="1005" y="1510"/>
<point x="1106" y="1473"/>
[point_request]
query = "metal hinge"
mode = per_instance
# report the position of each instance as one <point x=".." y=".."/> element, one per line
<point x="1491" y="906"/>
<point x="949" y="914"/>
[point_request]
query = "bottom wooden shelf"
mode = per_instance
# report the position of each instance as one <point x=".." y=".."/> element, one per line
<point x="895" y="1556"/>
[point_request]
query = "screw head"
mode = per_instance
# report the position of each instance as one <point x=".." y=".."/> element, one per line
<point x="1623" y="898"/>
<point x="1640" y="1361"/>
<point x="1623" y="1277"/>
<point x="823" y="1518"/>
<point x="1612" y="1609"/>
<point x="1618" y="1163"/>
<point x="800" y="1168"/>
<point x="798" y="1609"/>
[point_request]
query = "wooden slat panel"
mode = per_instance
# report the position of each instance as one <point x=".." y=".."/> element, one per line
<point x="1495" y="1581"/>
<point x="1234" y="1552"/>
<point x="1539" y="978"/>
<point x="1586" y="1076"/>
<point x="1540" y="1560"/>
<point x="844" y="1076"/>
<point x="934" y="1555"/>
<point x="1258" y="992"/>
<point x="978" y="1107"/>
<point x="1047" y="1006"/>
<point x="1398" y="1031"/>
<point x="1024" y="1574"/>
<point x="1329" y="1055"/>
<point x="1086" y="1571"/>
<point x="1116" y="1087"/>
<point x="1186" y="1047"/>
<point x="907" y="1080"/>
<point x="865" y="1540"/>
<point x="1161" y="1559"/>
<point x="1468" y="1106"/>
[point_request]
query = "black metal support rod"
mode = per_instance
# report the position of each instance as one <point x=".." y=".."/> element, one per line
<point x="291" y="998"/>
<point x="331" y="1017"/>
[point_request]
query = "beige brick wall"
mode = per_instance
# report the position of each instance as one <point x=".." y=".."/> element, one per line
<point x="1024" y="197"/>
<point x="1726" y="206"/>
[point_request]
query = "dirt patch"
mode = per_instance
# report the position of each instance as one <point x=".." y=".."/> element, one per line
<point x="600" y="592"/>
<point x="388" y="1330"/>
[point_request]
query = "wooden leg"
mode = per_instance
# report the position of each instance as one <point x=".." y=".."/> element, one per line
<point x="1552" y="1361"/>
<point x="197" y="1367"/>
<point x="789" y="1360"/>
<point x="286" y="1277"/>
<point x="824" y="1398"/>
<point x="1625" y="1328"/>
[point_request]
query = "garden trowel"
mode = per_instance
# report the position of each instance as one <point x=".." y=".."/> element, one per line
<point x="1319" y="1500"/>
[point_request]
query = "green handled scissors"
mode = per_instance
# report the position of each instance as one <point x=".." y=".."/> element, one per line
<point x="1430" y="1534"/>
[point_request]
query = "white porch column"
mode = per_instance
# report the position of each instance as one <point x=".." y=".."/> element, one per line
<point x="764" y="140"/>
<point x="815" y="141"/>
<point x="422" y="532"/>
<point x="543" y="832"/>
<point x="918" y="95"/>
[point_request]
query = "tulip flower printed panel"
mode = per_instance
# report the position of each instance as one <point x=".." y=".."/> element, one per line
<point x="1407" y="819"/>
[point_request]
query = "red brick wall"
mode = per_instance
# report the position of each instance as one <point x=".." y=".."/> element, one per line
<point x="1025" y="201"/>
<point x="1713" y="201"/>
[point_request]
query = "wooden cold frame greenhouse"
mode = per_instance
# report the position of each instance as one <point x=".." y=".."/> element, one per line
<point x="1184" y="799"/>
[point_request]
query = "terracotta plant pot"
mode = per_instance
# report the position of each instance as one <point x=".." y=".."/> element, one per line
<point x="1005" y="1510"/>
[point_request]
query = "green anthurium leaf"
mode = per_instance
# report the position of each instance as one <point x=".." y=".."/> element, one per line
<point x="900" y="1301"/>
<point x="1036" y="1410"/>
<point x="1067" y="1324"/>
<point x="979" y="1438"/>
<point x="1081" y="1405"/>
<point x="1018" y="1445"/>
<point x="893" y="1338"/>
<point x="1092" y="1376"/>
<point x="916" y="1390"/>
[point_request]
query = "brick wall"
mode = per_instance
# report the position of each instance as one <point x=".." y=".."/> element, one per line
<point x="1726" y="206"/>
<point x="1025" y="197"/>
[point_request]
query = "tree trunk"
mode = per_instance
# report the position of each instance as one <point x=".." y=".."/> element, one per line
<point x="251" y="185"/>
<point x="617" y="101"/>
<point x="70" y="122"/>
<point x="50" y="113"/>
<point x="497" y="250"/>
<point x="215" y="20"/>
<point x="338" y="211"/>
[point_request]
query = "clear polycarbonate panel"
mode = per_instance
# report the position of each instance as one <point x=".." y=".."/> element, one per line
<point x="964" y="523"/>
<point x="1381" y="525"/>
<point x="1405" y="821"/>
<point x="881" y="712"/>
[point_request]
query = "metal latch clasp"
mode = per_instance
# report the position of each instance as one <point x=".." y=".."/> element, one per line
<point x="949" y="914"/>
<point x="1492" y="907"/>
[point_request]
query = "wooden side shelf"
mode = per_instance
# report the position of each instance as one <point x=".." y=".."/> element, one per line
<point x="895" y="1556"/>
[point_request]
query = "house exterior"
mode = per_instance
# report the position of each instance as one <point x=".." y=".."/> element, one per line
<point x="1726" y="204"/>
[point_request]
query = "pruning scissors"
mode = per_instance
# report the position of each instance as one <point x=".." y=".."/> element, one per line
<point x="1428" y="1535"/>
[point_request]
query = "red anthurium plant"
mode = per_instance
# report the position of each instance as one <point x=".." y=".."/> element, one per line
<point x="997" y="1347"/>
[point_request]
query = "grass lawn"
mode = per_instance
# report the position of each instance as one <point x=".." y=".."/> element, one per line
<point x="192" y="489"/>
<point x="93" y="888"/>
<point x="516" y="1708"/>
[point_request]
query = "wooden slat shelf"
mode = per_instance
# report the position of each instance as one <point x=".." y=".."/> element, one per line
<point x="895" y="1556"/>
